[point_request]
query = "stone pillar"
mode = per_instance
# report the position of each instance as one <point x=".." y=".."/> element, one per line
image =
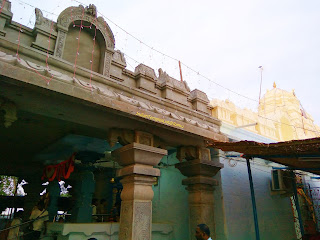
<point x="138" y="176"/>
<point x="199" y="170"/>
<point x="54" y="194"/>
<point x="84" y="188"/>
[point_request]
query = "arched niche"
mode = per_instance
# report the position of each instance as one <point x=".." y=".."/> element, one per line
<point x="68" y="33"/>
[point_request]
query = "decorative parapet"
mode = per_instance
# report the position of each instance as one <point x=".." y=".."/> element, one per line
<point x="145" y="78"/>
<point x="118" y="59"/>
<point x="173" y="89"/>
<point x="171" y="118"/>
<point x="5" y="15"/>
<point x="168" y="104"/>
<point x="199" y="101"/>
<point x="119" y="64"/>
<point x="72" y="15"/>
<point x="43" y="30"/>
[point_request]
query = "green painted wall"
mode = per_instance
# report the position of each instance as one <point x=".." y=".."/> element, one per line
<point x="170" y="202"/>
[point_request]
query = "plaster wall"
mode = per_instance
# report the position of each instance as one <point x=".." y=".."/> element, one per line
<point x="233" y="207"/>
<point x="170" y="201"/>
<point x="275" y="216"/>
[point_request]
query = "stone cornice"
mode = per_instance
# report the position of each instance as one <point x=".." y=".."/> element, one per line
<point x="143" y="106"/>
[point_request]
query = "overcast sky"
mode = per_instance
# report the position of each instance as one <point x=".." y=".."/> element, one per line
<point x="225" y="41"/>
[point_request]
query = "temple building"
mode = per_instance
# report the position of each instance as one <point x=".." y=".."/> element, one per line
<point x="280" y="116"/>
<point x="72" y="111"/>
<point x="132" y="143"/>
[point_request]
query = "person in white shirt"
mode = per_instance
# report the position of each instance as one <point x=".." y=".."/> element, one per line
<point x="42" y="215"/>
<point x="203" y="232"/>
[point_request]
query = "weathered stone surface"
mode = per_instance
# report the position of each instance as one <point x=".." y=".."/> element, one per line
<point x="175" y="118"/>
<point x="199" y="169"/>
<point x="136" y="153"/>
<point x="45" y="33"/>
<point x="138" y="177"/>
<point x="5" y="16"/>
<point x="145" y="78"/>
<point x="199" y="101"/>
<point x="193" y="152"/>
<point x="173" y="89"/>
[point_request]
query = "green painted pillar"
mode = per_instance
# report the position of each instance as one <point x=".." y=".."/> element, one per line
<point x="54" y="194"/>
<point x="84" y="187"/>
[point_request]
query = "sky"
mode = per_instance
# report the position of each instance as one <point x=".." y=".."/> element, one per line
<point x="220" y="44"/>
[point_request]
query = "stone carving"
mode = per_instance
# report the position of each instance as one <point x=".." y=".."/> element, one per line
<point x="142" y="221"/>
<point x="128" y="100"/>
<point x="193" y="152"/>
<point x="10" y="112"/>
<point x="39" y="16"/>
<point x="107" y="63"/>
<point x="91" y="10"/>
<point x="144" y="138"/>
<point x="119" y="58"/>
<point x="89" y="14"/>
<point x="165" y="79"/>
<point x="6" y="8"/>
<point x="197" y="94"/>
<point x="145" y="70"/>
<point x="60" y="43"/>
<point x="158" y="143"/>
<point x="123" y="136"/>
<point x="103" y="91"/>
<point x="161" y="111"/>
<point x="187" y="152"/>
<point x="125" y="221"/>
<point x="6" y="16"/>
<point x="44" y="22"/>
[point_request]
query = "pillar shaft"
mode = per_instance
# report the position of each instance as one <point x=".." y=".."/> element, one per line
<point x="199" y="170"/>
<point x="54" y="194"/>
<point x="136" y="207"/>
<point x="201" y="207"/>
<point x="84" y="189"/>
<point x="138" y="176"/>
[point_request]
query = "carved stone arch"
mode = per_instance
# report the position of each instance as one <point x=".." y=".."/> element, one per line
<point x="72" y="15"/>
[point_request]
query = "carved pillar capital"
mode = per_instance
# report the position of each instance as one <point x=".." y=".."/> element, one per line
<point x="126" y="136"/>
<point x="198" y="162"/>
<point x="193" y="152"/>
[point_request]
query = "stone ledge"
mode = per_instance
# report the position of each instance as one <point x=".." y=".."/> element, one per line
<point x="99" y="229"/>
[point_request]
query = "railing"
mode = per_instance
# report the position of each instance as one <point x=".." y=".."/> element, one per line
<point x="103" y="216"/>
<point x="99" y="217"/>
<point x="21" y="224"/>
